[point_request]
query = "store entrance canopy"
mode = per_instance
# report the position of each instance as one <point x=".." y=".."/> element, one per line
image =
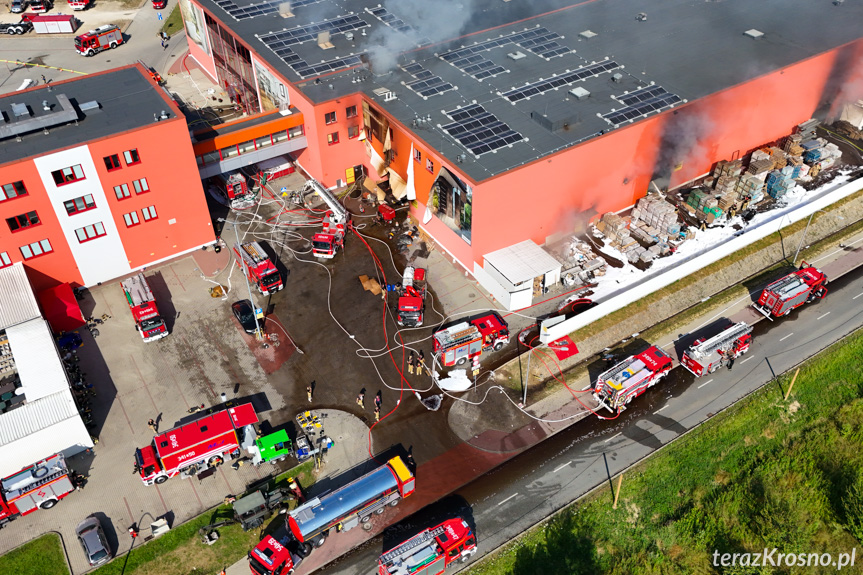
<point x="61" y="308"/>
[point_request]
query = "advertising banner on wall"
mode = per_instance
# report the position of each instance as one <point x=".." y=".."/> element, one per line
<point x="193" y="17"/>
<point x="272" y="92"/>
<point x="451" y="201"/>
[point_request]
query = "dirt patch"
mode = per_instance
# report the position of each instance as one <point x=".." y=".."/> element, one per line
<point x="794" y="407"/>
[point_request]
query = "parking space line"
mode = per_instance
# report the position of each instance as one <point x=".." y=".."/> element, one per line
<point x="787" y="336"/>
<point x="562" y="466"/>
<point x="612" y="437"/>
<point x="820" y="316"/>
<point x="858" y="295"/>
<point x="745" y="360"/>
<point x="705" y="383"/>
<point x="660" y="409"/>
<point x="507" y="499"/>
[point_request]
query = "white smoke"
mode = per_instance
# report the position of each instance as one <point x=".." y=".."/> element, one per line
<point x="437" y="21"/>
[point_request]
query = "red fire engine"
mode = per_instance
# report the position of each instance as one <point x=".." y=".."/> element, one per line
<point x="430" y="552"/>
<point x="79" y="4"/>
<point x="274" y="556"/>
<point x="630" y="378"/>
<point x="466" y="340"/>
<point x="708" y="355"/>
<point x="39" y="486"/>
<point x="41" y="6"/>
<point x="232" y="190"/>
<point x="159" y="4"/>
<point x="143" y="306"/>
<point x="412" y="297"/>
<point x="259" y="269"/>
<point x="193" y="447"/>
<point x="797" y="288"/>
<point x="331" y="239"/>
<point x="102" y="38"/>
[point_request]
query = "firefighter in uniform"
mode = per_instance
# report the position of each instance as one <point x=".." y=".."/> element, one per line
<point x="411" y="363"/>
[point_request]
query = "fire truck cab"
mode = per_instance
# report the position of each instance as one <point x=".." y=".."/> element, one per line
<point x="805" y="285"/>
<point x="412" y="297"/>
<point x="331" y="239"/>
<point x="41" y="6"/>
<point x="258" y="267"/>
<point x="274" y="556"/>
<point x="430" y="552"/>
<point x="95" y="41"/>
<point x="707" y="355"/>
<point x="465" y="340"/>
<point x="630" y="378"/>
<point x="79" y="4"/>
<point x="142" y="304"/>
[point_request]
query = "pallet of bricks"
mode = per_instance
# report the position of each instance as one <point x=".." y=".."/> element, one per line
<point x="616" y="229"/>
<point x="656" y="219"/>
<point x="705" y="204"/>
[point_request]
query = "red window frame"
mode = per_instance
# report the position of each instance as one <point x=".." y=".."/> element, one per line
<point x="42" y="250"/>
<point x="356" y="130"/>
<point x="149" y="213"/>
<point x="330" y="118"/>
<point x="351" y="112"/>
<point x="112" y="162"/>
<point x="418" y="156"/>
<point x="124" y="188"/>
<point x="144" y="188"/>
<point x="98" y="231"/>
<point x="429" y="165"/>
<point x="66" y="179"/>
<point x="74" y="205"/>
<point x="5" y="260"/>
<point x="18" y="188"/>
<point x="23" y="221"/>
<point x="128" y="219"/>
<point x="333" y="139"/>
<point x="128" y="154"/>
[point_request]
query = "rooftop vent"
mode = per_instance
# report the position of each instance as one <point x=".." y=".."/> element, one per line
<point x="579" y="93"/>
<point x="324" y="41"/>
<point x="587" y="34"/>
<point x="515" y="55"/>
<point x="91" y="105"/>
<point x="387" y="94"/>
<point x="349" y="36"/>
<point x="617" y="78"/>
<point x="753" y="33"/>
<point x="285" y="10"/>
<point x="20" y="110"/>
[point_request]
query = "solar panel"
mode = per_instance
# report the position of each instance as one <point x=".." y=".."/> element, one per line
<point x="479" y="130"/>
<point x="412" y="69"/>
<point x="641" y="95"/>
<point x="643" y="102"/>
<point x="255" y="10"/>
<point x="536" y="88"/>
<point x="394" y="22"/>
<point x="302" y="34"/>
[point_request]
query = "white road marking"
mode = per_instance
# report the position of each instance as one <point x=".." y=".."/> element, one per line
<point x="660" y="409"/>
<point x="787" y="336"/>
<point x="745" y="360"/>
<point x="507" y="499"/>
<point x="705" y="383"/>
<point x="825" y="315"/>
<point x="858" y="295"/>
<point x="561" y="467"/>
<point x="612" y="437"/>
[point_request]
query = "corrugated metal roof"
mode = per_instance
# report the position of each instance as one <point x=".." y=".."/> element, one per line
<point x="36" y="357"/>
<point x="522" y="262"/>
<point x="17" y="300"/>
<point x="36" y="415"/>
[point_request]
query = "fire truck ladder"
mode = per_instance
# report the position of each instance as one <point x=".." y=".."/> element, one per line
<point x="786" y="285"/>
<point x="137" y="291"/>
<point x="412" y="544"/>
<point x="718" y="341"/>
<point x="449" y="340"/>
<point x="254" y="250"/>
<point x="609" y="375"/>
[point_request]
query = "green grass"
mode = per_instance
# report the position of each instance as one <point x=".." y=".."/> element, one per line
<point x="180" y="551"/>
<point x="42" y="556"/>
<point x="174" y="22"/>
<point x="765" y="473"/>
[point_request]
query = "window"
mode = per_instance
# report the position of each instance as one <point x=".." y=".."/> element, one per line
<point x="68" y="175"/>
<point x="122" y="191"/>
<point x="112" y="162"/>
<point x="353" y="132"/>
<point x="211" y="158"/>
<point x="351" y="112"/>
<point x="247" y="147"/>
<point x="4" y="260"/>
<point x="131" y="157"/>
<point x="22" y="221"/>
<point x="131" y="219"/>
<point x="418" y="156"/>
<point x="88" y="233"/>
<point x="149" y="213"/>
<point x="13" y="190"/>
<point x="296" y="131"/>
<point x="36" y="249"/>
<point x="333" y="138"/>
<point x="264" y="141"/>
<point x="280" y="136"/>
<point x="229" y="152"/>
<point x="429" y="165"/>
<point x="81" y="204"/>
<point x="141" y="186"/>
<point x="330" y="117"/>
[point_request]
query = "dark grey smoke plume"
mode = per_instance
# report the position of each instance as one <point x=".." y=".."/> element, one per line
<point x="436" y="20"/>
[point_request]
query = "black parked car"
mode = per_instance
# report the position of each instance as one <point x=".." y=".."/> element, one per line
<point x="245" y="314"/>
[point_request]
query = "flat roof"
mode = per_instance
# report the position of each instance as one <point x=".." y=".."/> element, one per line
<point x="126" y="100"/>
<point x="522" y="262"/>
<point x="17" y="300"/>
<point x="683" y="51"/>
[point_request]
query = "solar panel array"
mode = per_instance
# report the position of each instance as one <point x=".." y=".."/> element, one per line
<point x="395" y="22"/>
<point x="430" y="86"/>
<point x="417" y="71"/>
<point x="536" y="88"/>
<point x="479" y="130"/>
<point x="478" y="66"/>
<point x="539" y="41"/>
<point x="253" y="10"/>
<point x="641" y="103"/>
<point x="300" y="34"/>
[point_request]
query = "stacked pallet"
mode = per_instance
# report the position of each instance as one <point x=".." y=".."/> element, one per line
<point x="613" y="226"/>
<point x="779" y="182"/>
<point x="792" y="145"/>
<point x="655" y="213"/>
<point x="751" y="187"/>
<point x="726" y="184"/>
<point x="778" y="157"/>
<point x="704" y="203"/>
<point x="727" y="201"/>
<point x="761" y="163"/>
<point x="732" y="169"/>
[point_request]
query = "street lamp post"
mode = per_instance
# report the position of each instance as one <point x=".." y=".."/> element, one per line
<point x="803" y="239"/>
<point x="246" y="276"/>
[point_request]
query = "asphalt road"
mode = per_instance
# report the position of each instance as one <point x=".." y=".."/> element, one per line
<point x="504" y="503"/>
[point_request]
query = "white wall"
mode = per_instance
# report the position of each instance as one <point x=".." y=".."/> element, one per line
<point x="69" y="436"/>
<point x="101" y="258"/>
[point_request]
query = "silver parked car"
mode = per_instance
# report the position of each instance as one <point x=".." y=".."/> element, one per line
<point x="93" y="541"/>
